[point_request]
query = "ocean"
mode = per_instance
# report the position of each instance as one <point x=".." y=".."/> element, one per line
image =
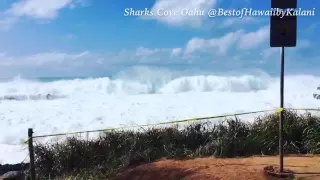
<point x="77" y="104"/>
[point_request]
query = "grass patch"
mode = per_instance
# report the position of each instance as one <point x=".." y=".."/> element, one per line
<point x="116" y="151"/>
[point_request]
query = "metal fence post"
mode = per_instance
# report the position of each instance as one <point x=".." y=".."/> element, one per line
<point x="31" y="154"/>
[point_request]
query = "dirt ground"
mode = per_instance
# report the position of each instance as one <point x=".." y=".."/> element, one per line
<point x="304" y="167"/>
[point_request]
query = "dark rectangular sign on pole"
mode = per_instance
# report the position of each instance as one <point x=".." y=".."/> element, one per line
<point x="283" y="4"/>
<point x="283" y="31"/>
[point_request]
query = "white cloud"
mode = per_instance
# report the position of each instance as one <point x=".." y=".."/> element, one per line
<point x="142" y="51"/>
<point x="76" y="3"/>
<point x="60" y="59"/>
<point x="43" y="10"/>
<point x="218" y="46"/>
<point x="42" y="59"/>
<point x="236" y="21"/>
<point x="221" y="44"/>
<point x="179" y="5"/>
<point x="149" y="56"/>
<point x="269" y="52"/>
<point x="195" y="44"/>
<point x="40" y="9"/>
<point x="73" y="64"/>
<point x="254" y="39"/>
<point x="7" y="23"/>
<point x="176" y="51"/>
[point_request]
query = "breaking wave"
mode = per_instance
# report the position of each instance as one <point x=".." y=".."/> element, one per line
<point x="23" y="89"/>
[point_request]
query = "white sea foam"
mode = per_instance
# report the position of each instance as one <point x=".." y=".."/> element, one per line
<point x="96" y="103"/>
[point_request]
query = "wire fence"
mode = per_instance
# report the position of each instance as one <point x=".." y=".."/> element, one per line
<point x="159" y="124"/>
<point x="207" y="123"/>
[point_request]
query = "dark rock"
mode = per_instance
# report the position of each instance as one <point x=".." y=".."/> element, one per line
<point x="14" y="175"/>
<point x="13" y="167"/>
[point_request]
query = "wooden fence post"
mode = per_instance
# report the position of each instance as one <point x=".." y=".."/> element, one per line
<point x="31" y="154"/>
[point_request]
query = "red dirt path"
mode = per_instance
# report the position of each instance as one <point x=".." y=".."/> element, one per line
<point x="305" y="168"/>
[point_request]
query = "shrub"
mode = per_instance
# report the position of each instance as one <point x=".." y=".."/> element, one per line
<point x="116" y="151"/>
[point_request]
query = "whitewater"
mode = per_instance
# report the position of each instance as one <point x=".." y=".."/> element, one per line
<point x="94" y="103"/>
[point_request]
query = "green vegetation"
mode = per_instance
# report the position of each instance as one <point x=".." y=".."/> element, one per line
<point x="116" y="151"/>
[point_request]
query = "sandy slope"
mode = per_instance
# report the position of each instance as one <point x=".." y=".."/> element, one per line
<point x="306" y="168"/>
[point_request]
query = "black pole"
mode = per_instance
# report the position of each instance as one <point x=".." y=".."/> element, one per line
<point x="31" y="154"/>
<point x="281" y="118"/>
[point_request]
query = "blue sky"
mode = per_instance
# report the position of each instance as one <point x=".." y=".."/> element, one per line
<point x="94" y="38"/>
